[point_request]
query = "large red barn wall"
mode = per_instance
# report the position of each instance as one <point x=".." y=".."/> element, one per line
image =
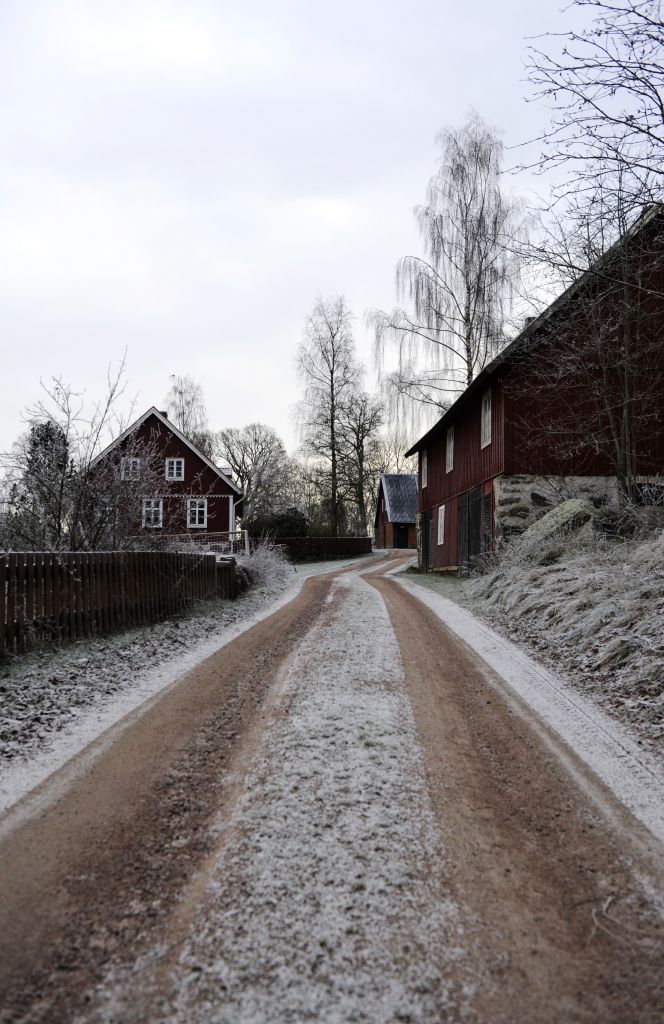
<point x="572" y="401"/>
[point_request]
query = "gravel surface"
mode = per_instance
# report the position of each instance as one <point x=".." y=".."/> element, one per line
<point x="329" y="850"/>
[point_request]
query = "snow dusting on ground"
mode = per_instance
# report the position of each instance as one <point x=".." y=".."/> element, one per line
<point x="54" y="701"/>
<point x="320" y="907"/>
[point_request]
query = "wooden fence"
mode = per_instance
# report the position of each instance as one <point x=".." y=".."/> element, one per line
<point x="301" y="548"/>
<point x="61" y="596"/>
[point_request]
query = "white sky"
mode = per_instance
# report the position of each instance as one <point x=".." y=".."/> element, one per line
<point x="182" y="179"/>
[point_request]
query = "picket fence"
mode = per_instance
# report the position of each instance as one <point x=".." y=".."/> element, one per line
<point x="62" y="596"/>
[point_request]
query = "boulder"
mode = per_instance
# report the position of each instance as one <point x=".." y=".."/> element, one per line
<point x="564" y="518"/>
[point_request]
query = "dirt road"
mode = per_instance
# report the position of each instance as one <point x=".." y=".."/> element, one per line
<point x="341" y="816"/>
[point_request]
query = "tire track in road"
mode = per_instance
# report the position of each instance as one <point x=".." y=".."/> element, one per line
<point x="91" y="878"/>
<point x="563" y="929"/>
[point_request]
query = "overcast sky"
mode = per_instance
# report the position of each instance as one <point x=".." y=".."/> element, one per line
<point x="181" y="180"/>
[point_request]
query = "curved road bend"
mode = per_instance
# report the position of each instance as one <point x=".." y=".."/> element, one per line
<point x="522" y="899"/>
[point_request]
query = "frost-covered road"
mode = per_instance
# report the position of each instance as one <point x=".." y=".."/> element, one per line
<point x="341" y="816"/>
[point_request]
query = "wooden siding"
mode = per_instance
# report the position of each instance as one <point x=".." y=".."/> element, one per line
<point x="199" y="481"/>
<point x="445" y="554"/>
<point x="472" y="463"/>
<point x="47" y="596"/>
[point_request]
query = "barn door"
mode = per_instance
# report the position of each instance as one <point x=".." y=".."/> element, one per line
<point x="474" y="524"/>
<point x="462" y="560"/>
<point x="470" y="528"/>
<point x="401" y="536"/>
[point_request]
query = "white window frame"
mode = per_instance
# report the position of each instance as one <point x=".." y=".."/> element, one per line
<point x="485" y="440"/>
<point x="177" y="465"/>
<point x="130" y="468"/>
<point x="441" y="524"/>
<point x="425" y="469"/>
<point x="449" y="450"/>
<point x="151" y="505"/>
<point x="196" y="505"/>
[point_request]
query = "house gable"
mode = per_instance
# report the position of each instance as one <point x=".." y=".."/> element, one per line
<point x="190" y="494"/>
<point x="175" y="443"/>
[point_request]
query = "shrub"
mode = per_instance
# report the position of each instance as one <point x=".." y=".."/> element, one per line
<point x="291" y="522"/>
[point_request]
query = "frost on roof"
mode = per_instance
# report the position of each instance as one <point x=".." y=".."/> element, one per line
<point x="400" y="490"/>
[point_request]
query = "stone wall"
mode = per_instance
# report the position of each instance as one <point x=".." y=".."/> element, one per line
<point x="520" y="500"/>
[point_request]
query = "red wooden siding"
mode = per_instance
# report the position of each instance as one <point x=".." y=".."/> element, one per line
<point x="47" y="596"/>
<point x="472" y="463"/>
<point x="199" y="481"/>
<point x="445" y="554"/>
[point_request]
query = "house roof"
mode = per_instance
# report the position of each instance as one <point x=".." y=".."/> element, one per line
<point x="153" y="411"/>
<point x="523" y="339"/>
<point x="400" y="490"/>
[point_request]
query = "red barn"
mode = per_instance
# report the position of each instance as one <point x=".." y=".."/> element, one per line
<point x="396" y="511"/>
<point x="574" y="406"/>
<point x="176" y="489"/>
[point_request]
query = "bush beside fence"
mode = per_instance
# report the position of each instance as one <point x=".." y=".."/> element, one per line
<point x="299" y="549"/>
<point x="61" y="596"/>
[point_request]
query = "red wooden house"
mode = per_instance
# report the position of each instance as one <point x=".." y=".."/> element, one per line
<point x="396" y="511"/>
<point x="176" y="489"/>
<point x="552" y="417"/>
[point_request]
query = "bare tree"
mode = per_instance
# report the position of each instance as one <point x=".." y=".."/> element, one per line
<point x="393" y="444"/>
<point x="258" y="459"/>
<point x="460" y="288"/>
<point x="360" y="421"/>
<point x="185" y="403"/>
<point x="328" y="370"/>
<point x="605" y="85"/>
<point x="54" y="498"/>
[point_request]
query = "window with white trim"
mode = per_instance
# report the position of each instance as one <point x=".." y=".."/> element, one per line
<point x="441" y="524"/>
<point x="153" y="512"/>
<point x="425" y="468"/>
<point x="196" y="513"/>
<point x="175" y="469"/>
<point x="449" y="450"/>
<point x="486" y="419"/>
<point x="130" y="469"/>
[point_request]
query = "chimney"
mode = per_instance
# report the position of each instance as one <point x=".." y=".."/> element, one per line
<point x="162" y="412"/>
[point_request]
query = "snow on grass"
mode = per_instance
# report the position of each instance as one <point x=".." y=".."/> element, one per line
<point x="55" y="701"/>
<point x="320" y="907"/>
<point x="633" y="774"/>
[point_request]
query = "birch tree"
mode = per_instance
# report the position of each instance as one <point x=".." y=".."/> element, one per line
<point x="459" y="290"/>
<point x="328" y="371"/>
<point x="359" y="430"/>
<point x="185" y="403"/>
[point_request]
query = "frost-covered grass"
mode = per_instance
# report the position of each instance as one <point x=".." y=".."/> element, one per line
<point x="596" y="613"/>
<point x="47" y="689"/>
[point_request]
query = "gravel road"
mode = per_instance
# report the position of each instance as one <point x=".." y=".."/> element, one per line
<point x="341" y="815"/>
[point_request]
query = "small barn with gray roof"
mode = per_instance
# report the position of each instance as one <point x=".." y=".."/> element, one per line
<point x="396" y="510"/>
